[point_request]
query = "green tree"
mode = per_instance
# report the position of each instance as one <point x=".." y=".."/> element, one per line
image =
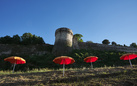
<point x="37" y="40"/>
<point x="27" y="38"/>
<point x="125" y="45"/>
<point x="16" y="39"/>
<point x="133" y="45"/>
<point x="114" y="43"/>
<point x="1" y="40"/>
<point x="78" y="36"/>
<point x="105" y="41"/>
<point x="40" y="40"/>
<point x="6" y="40"/>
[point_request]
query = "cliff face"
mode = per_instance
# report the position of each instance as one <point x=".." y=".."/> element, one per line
<point x="12" y="49"/>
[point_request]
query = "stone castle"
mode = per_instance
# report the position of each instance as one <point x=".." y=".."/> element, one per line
<point x="64" y="42"/>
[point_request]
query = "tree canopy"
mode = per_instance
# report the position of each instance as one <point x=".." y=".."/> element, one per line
<point x="114" y="43"/>
<point x="26" y="38"/>
<point x="105" y="41"/>
<point x="78" y="36"/>
<point x="133" y="45"/>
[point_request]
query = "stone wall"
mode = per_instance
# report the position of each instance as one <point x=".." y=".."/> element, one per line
<point x="12" y="49"/>
<point x="75" y="43"/>
<point x="96" y="46"/>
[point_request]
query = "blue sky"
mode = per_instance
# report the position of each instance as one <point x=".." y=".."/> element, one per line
<point x="96" y="20"/>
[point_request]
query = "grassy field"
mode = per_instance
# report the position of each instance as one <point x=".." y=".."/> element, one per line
<point x="102" y="76"/>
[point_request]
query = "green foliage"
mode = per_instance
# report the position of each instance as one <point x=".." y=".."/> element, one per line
<point x="105" y="58"/>
<point x="108" y="58"/>
<point x="43" y="61"/>
<point x="105" y="41"/>
<point x="125" y="45"/>
<point x="37" y="40"/>
<point x="78" y="36"/>
<point x="28" y="38"/>
<point x="6" y="40"/>
<point x="133" y="45"/>
<point x="32" y="62"/>
<point x="16" y="39"/>
<point x="25" y="39"/>
<point x="114" y="43"/>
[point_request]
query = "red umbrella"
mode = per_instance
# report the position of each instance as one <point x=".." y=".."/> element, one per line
<point x="64" y="60"/>
<point x="15" y="60"/>
<point x="129" y="57"/>
<point x="91" y="59"/>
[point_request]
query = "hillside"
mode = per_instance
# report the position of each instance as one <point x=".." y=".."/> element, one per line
<point x="40" y="70"/>
<point x="103" y="76"/>
<point x="105" y="58"/>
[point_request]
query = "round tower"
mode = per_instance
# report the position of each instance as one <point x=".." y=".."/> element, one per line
<point x="63" y="41"/>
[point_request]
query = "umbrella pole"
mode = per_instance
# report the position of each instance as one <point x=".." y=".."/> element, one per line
<point x="91" y="66"/>
<point x="130" y="63"/>
<point x="14" y="67"/>
<point x="63" y="68"/>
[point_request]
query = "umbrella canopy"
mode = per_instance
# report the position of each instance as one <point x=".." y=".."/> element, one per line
<point x="64" y="60"/>
<point x="128" y="56"/>
<point x="90" y="59"/>
<point x="15" y="60"/>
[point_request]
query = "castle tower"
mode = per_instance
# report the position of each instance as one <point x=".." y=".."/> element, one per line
<point x="63" y="41"/>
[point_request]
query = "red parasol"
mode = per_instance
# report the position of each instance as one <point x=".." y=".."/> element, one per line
<point x="129" y="57"/>
<point x="64" y="60"/>
<point x="91" y="59"/>
<point x="15" y="60"/>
